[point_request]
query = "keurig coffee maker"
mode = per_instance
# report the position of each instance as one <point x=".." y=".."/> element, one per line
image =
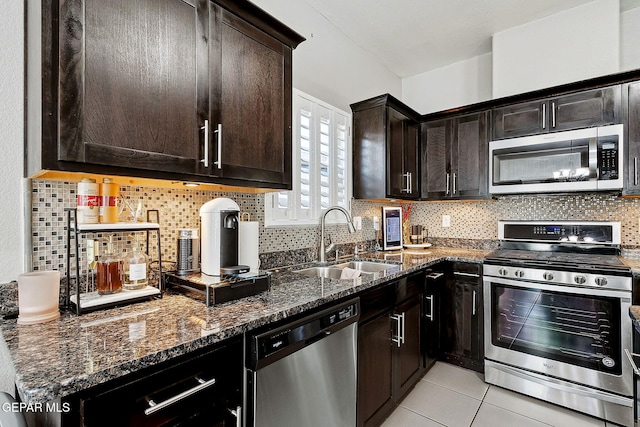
<point x="219" y="255"/>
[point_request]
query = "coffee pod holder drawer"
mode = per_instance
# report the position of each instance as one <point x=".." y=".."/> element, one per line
<point x="82" y="302"/>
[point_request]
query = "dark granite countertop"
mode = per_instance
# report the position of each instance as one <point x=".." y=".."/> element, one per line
<point x="61" y="357"/>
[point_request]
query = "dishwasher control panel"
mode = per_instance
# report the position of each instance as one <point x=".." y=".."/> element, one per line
<point x="305" y="331"/>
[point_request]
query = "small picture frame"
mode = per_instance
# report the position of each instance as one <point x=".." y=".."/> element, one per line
<point x="392" y="228"/>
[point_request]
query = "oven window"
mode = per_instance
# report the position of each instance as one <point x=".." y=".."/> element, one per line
<point x="577" y="329"/>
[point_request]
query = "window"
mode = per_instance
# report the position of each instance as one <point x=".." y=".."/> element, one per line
<point x="321" y="164"/>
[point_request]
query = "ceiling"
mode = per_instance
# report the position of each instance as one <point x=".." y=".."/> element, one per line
<point x="414" y="36"/>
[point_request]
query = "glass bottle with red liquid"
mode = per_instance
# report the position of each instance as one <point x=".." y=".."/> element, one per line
<point x="109" y="271"/>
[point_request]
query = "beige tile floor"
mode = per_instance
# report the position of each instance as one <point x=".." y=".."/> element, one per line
<point x="455" y="397"/>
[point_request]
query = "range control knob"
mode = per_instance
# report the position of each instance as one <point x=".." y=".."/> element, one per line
<point x="580" y="279"/>
<point x="518" y="273"/>
<point x="502" y="272"/>
<point x="547" y="275"/>
<point x="601" y="281"/>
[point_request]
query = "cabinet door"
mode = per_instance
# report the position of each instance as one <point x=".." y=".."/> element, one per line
<point x="436" y="179"/>
<point x="526" y="118"/>
<point x="375" y="393"/>
<point x="584" y="109"/>
<point x="408" y="356"/>
<point x="396" y="134"/>
<point x="132" y="85"/>
<point x="250" y="102"/>
<point x="462" y="332"/>
<point x="369" y="153"/>
<point x="412" y="159"/>
<point x="469" y="155"/>
<point x="633" y="138"/>
<point x="432" y="303"/>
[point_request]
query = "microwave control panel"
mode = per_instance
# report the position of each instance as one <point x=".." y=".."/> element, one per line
<point x="608" y="160"/>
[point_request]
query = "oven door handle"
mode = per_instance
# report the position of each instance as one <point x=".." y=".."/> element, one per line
<point x="622" y="295"/>
<point x="633" y="364"/>
<point x="558" y="385"/>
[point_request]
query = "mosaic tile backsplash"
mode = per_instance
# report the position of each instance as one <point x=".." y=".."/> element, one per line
<point x="473" y="224"/>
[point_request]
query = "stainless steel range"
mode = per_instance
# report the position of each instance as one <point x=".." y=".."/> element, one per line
<point x="557" y="297"/>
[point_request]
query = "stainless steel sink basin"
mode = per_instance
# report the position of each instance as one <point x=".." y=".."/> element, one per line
<point x="368" y="269"/>
<point x="332" y="272"/>
<point x="368" y="266"/>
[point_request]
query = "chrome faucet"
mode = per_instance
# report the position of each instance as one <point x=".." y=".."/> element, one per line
<point x="352" y="229"/>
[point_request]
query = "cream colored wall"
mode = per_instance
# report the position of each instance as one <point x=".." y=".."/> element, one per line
<point x="12" y="223"/>
<point x="577" y="44"/>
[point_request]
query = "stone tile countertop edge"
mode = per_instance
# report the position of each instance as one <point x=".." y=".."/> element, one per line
<point x="61" y="357"/>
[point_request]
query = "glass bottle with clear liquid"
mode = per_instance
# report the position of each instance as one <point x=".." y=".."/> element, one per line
<point x="136" y="267"/>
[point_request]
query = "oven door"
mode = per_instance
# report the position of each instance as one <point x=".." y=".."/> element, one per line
<point x="569" y="333"/>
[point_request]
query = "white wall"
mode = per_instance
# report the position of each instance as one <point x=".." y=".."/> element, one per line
<point x="462" y="83"/>
<point x="11" y="140"/>
<point x="629" y="38"/>
<point x="574" y="45"/>
<point x="329" y="65"/>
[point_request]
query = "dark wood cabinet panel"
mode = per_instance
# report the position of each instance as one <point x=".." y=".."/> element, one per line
<point x="408" y="361"/>
<point x="596" y="107"/>
<point x="130" y="95"/>
<point x="386" y="143"/>
<point x="250" y="102"/>
<point x="148" y="88"/>
<point x="462" y="336"/>
<point x="585" y="109"/>
<point x="375" y="391"/>
<point x="369" y="153"/>
<point x="632" y="122"/>
<point x="435" y="158"/>
<point x="390" y="351"/>
<point x="455" y="154"/>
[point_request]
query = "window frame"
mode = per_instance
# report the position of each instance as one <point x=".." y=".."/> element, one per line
<point x="294" y="215"/>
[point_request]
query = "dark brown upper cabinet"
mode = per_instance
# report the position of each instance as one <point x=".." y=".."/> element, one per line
<point x="631" y="103"/>
<point x="454" y="158"/>
<point x="578" y="110"/>
<point x="171" y="89"/>
<point x="385" y="150"/>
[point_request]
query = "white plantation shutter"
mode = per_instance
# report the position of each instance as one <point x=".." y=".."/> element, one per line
<point x="321" y="164"/>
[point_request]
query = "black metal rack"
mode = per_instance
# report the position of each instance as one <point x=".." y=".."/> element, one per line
<point x="121" y="298"/>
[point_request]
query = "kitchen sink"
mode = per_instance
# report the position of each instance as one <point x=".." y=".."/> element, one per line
<point x="369" y="266"/>
<point x="368" y="269"/>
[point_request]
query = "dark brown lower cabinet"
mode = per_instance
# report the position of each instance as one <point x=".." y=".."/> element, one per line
<point x="389" y="348"/>
<point x="461" y="317"/>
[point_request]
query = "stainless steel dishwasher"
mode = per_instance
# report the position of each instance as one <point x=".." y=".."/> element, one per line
<point x="304" y="373"/>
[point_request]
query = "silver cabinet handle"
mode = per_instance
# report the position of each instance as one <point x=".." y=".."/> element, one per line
<point x="154" y="407"/>
<point x="405" y="186"/>
<point x="453" y="184"/>
<point x="402" y="327"/>
<point x="635" y="171"/>
<point x="473" y="303"/>
<point x="219" y="132"/>
<point x="409" y="183"/>
<point x="460" y="273"/>
<point x="430" y="315"/>
<point x="238" y="414"/>
<point x="205" y="161"/>
<point x="633" y="364"/>
<point x="553" y="115"/>
<point x="399" y="339"/>
<point x="544" y="116"/>
<point x="447" y="191"/>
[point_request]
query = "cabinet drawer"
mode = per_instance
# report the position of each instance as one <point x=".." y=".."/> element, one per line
<point x="409" y="287"/>
<point x="194" y="391"/>
<point x="466" y="268"/>
<point x="376" y="301"/>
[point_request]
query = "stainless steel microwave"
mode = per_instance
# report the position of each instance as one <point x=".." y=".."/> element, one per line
<point x="579" y="160"/>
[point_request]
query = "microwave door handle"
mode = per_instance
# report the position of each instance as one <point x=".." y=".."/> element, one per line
<point x="593" y="158"/>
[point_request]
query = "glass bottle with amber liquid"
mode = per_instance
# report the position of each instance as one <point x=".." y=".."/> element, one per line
<point x="136" y="267"/>
<point x="109" y="271"/>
